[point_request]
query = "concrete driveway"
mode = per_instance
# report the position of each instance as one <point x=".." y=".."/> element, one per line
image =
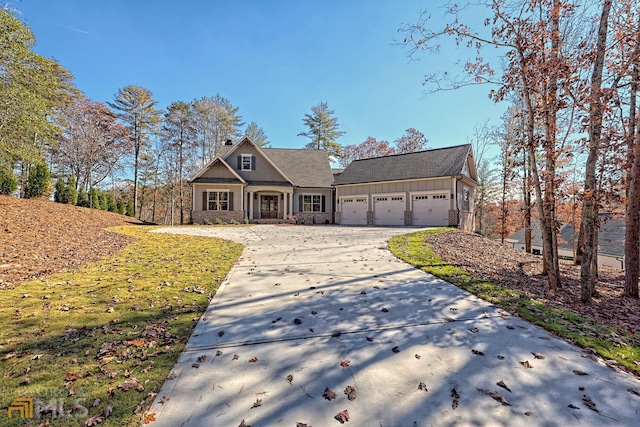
<point x="308" y="309"/>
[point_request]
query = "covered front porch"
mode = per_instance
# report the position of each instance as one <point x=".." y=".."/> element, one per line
<point x="268" y="203"/>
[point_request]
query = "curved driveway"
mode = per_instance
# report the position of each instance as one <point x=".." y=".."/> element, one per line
<point x="308" y="308"/>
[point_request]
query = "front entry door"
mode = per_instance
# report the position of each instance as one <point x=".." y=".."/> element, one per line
<point x="269" y="207"/>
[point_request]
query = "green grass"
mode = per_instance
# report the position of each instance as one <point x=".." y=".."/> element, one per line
<point x="78" y="337"/>
<point x="609" y="343"/>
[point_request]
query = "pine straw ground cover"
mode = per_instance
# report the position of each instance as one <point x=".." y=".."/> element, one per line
<point x="93" y="346"/>
<point x="513" y="280"/>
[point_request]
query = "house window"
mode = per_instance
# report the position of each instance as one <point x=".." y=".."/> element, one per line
<point x="246" y="162"/>
<point x="465" y="199"/>
<point x="311" y="203"/>
<point x="218" y="200"/>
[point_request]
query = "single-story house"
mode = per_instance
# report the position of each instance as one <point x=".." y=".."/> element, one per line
<point x="611" y="236"/>
<point x="432" y="187"/>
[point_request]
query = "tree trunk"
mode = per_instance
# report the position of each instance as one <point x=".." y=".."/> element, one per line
<point x="632" y="233"/>
<point x="590" y="203"/>
<point x="527" y="205"/>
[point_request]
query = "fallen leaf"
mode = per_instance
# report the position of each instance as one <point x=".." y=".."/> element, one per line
<point x="129" y="384"/>
<point x="526" y="364"/>
<point x="221" y="333"/>
<point x="195" y="365"/>
<point x="499" y="398"/>
<point x="164" y="399"/>
<point x="202" y="358"/>
<point x="242" y="423"/>
<point x="73" y="376"/>
<point x="235" y="357"/>
<point x="108" y="410"/>
<point x="501" y="357"/>
<point x="537" y="355"/>
<point x="634" y="391"/>
<point x="478" y="352"/>
<point x="218" y="353"/>
<point x="314" y="312"/>
<point x="257" y="403"/>
<point x="95" y="403"/>
<point x="590" y="403"/>
<point x="418" y="356"/>
<point x="297" y="321"/>
<point x="276" y="320"/>
<point x="395" y="349"/>
<point x="503" y="385"/>
<point x="302" y="425"/>
<point x="342" y="417"/>
<point x="328" y="394"/>
<point x="385" y="310"/>
<point x="577" y="372"/>
<point x="452" y="309"/>
<point x="345" y="363"/>
<point x="93" y="421"/>
<point x="454" y="393"/>
<point x="510" y="327"/>
<point x="253" y="359"/>
<point x="422" y="386"/>
<point x="149" y="418"/>
<point x="290" y="378"/>
<point x="350" y="392"/>
<point x="370" y="339"/>
<point x="474" y="330"/>
<point x="572" y="406"/>
<point x="528" y="413"/>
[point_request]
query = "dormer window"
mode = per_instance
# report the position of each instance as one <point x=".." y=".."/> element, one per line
<point x="246" y="162"/>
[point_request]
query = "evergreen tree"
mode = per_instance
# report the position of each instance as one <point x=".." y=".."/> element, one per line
<point x="59" y="191"/>
<point x="257" y="135"/>
<point x="104" y="201"/>
<point x="130" y="211"/>
<point x="323" y="130"/>
<point x="94" y="199"/>
<point x="71" y="190"/>
<point x="111" y="203"/>
<point x="83" y="199"/>
<point x="8" y="183"/>
<point x="120" y="207"/>
<point x="38" y="181"/>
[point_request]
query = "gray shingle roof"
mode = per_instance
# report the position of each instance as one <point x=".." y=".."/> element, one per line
<point x="306" y="168"/>
<point x="433" y="163"/>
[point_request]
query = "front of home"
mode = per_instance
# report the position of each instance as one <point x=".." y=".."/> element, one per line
<point x="246" y="182"/>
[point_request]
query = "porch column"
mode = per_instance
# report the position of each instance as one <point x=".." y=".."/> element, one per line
<point x="291" y="203"/>
<point x="250" y="204"/>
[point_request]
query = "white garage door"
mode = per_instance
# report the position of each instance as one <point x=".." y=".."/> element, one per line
<point x="432" y="209"/>
<point x="388" y="210"/>
<point x="353" y="211"/>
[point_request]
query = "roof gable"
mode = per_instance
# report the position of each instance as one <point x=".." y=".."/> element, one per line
<point x="202" y="174"/>
<point x="246" y="140"/>
<point x="435" y="163"/>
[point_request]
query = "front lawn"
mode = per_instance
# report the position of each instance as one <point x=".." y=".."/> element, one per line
<point x="95" y="345"/>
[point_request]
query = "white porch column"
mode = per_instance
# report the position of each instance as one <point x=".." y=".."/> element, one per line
<point x="291" y="203"/>
<point x="250" y="204"/>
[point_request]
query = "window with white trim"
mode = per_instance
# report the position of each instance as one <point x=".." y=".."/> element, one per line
<point x="311" y="203"/>
<point x="218" y="200"/>
<point x="245" y="163"/>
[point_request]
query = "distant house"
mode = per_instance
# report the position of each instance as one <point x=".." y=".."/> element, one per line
<point x="610" y="240"/>
<point x="428" y="188"/>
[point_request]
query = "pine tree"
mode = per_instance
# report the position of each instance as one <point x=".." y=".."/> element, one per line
<point x="71" y="190"/>
<point x="60" y="192"/>
<point x="8" y="183"/>
<point x="83" y="199"/>
<point x="323" y="130"/>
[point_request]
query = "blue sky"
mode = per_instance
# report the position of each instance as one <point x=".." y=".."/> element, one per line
<point x="272" y="59"/>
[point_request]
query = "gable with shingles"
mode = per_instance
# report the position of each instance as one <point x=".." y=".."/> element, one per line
<point x="436" y="163"/>
<point x="262" y="169"/>
<point x="305" y="168"/>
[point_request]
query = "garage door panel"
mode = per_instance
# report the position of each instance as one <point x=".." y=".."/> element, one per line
<point x="388" y="210"/>
<point x="353" y="211"/>
<point x="431" y="209"/>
